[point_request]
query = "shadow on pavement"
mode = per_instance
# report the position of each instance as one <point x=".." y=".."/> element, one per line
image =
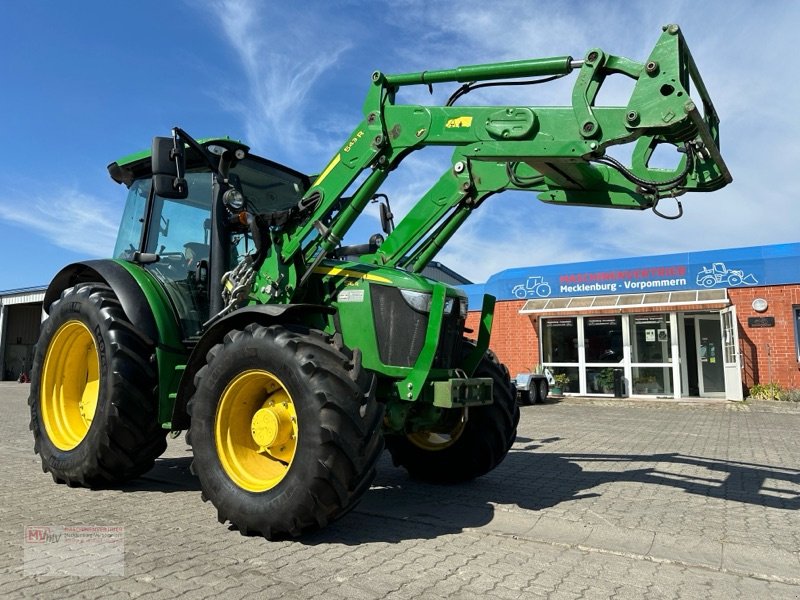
<point x="535" y="481"/>
<point x="167" y="475"/>
<point x="529" y="479"/>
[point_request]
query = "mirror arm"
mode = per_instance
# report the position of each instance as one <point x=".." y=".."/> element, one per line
<point x="178" y="133"/>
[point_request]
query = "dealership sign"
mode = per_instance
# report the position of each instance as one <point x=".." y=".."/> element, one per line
<point x="734" y="267"/>
<point x="620" y="281"/>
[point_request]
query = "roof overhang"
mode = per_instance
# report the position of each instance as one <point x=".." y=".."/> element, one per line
<point x="628" y="303"/>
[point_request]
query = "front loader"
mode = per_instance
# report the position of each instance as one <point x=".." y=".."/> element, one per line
<point x="232" y="311"/>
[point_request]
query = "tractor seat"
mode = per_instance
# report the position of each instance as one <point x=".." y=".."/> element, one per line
<point x="195" y="252"/>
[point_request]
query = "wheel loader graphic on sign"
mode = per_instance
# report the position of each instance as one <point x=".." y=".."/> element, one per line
<point x="535" y="286"/>
<point x="719" y="273"/>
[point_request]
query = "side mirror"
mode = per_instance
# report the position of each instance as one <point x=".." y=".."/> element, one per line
<point x="169" y="166"/>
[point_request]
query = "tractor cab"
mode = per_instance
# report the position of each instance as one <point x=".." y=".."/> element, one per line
<point x="172" y="234"/>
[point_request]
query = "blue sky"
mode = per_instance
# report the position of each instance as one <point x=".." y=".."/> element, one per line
<point x="88" y="82"/>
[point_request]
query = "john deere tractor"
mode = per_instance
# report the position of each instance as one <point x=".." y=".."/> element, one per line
<point x="232" y="311"/>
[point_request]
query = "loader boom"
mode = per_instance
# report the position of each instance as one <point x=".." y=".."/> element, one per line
<point x="560" y="153"/>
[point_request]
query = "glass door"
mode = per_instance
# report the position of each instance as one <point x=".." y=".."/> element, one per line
<point x="730" y="354"/>
<point x="710" y="366"/>
<point x="604" y="353"/>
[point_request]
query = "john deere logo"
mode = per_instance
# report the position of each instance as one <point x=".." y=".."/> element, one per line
<point x="458" y="122"/>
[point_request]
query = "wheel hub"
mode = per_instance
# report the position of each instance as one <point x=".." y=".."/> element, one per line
<point x="441" y="437"/>
<point x="271" y="427"/>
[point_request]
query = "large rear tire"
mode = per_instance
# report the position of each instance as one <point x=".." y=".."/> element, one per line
<point x="286" y="430"/>
<point x="92" y="397"/>
<point x="461" y="448"/>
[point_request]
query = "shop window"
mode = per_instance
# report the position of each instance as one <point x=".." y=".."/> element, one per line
<point x="652" y="380"/>
<point x="603" y="339"/>
<point x="600" y="380"/>
<point x="572" y="384"/>
<point x="651" y="337"/>
<point x="560" y="340"/>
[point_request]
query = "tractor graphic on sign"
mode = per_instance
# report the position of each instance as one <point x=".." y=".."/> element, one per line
<point x="535" y="286"/>
<point x="718" y="273"/>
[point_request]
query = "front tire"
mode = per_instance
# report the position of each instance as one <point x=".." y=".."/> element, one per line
<point x="92" y="401"/>
<point x="464" y="448"/>
<point x="286" y="430"/>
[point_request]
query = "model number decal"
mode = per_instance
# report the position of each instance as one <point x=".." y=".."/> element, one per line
<point x="352" y="142"/>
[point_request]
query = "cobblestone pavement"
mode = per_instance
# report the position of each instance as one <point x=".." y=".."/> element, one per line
<point x="596" y="500"/>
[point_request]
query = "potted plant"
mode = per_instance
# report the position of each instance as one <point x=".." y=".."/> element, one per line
<point x="605" y="380"/>
<point x="646" y="384"/>
<point x="561" y="381"/>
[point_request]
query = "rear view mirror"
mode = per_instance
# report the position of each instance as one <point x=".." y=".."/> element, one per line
<point x="387" y="218"/>
<point x="169" y="166"/>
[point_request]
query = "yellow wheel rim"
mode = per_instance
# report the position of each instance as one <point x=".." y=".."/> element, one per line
<point x="70" y="385"/>
<point x="441" y="437"/>
<point x="255" y="430"/>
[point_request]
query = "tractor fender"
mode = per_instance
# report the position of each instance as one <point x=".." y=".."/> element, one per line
<point x="263" y="314"/>
<point x="128" y="292"/>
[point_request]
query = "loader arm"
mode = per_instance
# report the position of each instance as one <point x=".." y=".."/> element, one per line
<point x="557" y="152"/>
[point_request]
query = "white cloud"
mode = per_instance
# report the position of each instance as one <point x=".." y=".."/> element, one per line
<point x="282" y="56"/>
<point x="67" y="218"/>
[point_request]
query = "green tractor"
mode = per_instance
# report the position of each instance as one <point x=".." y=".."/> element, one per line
<point x="233" y="312"/>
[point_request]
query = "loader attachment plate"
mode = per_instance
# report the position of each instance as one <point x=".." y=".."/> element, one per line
<point x="458" y="393"/>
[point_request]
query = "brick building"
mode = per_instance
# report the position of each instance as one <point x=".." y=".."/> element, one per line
<point x="708" y="324"/>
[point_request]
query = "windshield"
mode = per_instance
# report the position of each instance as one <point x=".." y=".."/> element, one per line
<point x="267" y="188"/>
<point x="179" y="230"/>
<point x="129" y="236"/>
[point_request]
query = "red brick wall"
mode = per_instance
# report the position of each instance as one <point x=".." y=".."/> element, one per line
<point x="514" y="336"/>
<point x="768" y="353"/>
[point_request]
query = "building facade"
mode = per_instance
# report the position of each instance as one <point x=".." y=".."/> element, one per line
<point x="696" y="324"/>
<point x="20" y="319"/>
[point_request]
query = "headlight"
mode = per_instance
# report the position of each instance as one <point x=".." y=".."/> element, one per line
<point x="233" y="199"/>
<point x="421" y="301"/>
<point x="463" y="307"/>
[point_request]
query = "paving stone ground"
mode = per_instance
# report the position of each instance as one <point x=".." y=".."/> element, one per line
<point x="597" y="499"/>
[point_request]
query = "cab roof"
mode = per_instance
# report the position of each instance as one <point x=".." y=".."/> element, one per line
<point x="137" y="165"/>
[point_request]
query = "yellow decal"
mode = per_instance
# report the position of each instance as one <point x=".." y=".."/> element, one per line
<point x="352" y="142"/>
<point x="342" y="272"/>
<point x="458" y="122"/>
<point x="328" y="169"/>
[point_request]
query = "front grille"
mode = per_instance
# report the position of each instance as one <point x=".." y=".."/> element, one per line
<point x="448" y="355"/>
<point x="401" y="331"/>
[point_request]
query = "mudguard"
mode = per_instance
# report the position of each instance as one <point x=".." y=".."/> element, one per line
<point x="132" y="298"/>
<point x="264" y="314"/>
